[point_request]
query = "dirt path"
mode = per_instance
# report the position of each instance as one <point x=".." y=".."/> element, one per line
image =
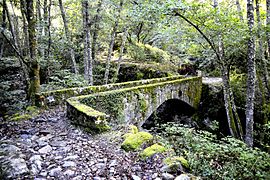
<point x="48" y="147"/>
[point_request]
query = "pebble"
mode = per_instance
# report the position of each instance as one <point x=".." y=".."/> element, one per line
<point x="57" y="150"/>
<point x="167" y="176"/>
<point x="55" y="172"/>
<point x="69" y="164"/>
<point x="45" y="149"/>
<point x="134" y="177"/>
<point x="183" y="177"/>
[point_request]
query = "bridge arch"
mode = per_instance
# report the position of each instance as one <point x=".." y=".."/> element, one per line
<point x="170" y="111"/>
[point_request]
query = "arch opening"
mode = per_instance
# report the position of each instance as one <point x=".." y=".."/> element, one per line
<point x="172" y="110"/>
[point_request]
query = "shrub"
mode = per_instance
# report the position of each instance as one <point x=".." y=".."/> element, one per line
<point x="210" y="158"/>
<point x="142" y="52"/>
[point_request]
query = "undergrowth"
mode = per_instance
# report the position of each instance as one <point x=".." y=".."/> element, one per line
<point x="210" y="158"/>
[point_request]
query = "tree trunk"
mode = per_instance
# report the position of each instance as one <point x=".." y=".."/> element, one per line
<point x="227" y="101"/>
<point x="268" y="43"/>
<point x="121" y="53"/>
<point x="262" y="64"/>
<point x="230" y="107"/>
<point x="2" y="43"/>
<point x="239" y="10"/>
<point x="251" y="76"/>
<point x="88" y="63"/>
<point x="109" y="57"/>
<point x="68" y="37"/>
<point x="25" y="44"/>
<point x="97" y="19"/>
<point x="34" y="65"/>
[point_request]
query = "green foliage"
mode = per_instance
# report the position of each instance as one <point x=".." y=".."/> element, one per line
<point x="211" y="158"/>
<point x="262" y="136"/>
<point x="141" y="52"/>
<point x="64" y="79"/>
<point x="154" y="149"/>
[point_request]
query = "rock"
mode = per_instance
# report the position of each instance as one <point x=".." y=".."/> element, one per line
<point x="155" y="175"/>
<point x="100" y="165"/>
<point x="113" y="163"/>
<point x="44" y="132"/>
<point x="71" y="157"/>
<point x="43" y="173"/>
<point x="55" y="172"/>
<point x="77" y="178"/>
<point x="58" y="143"/>
<point x="69" y="164"/>
<point x="183" y="177"/>
<point x="45" y="149"/>
<point x="34" y="169"/>
<point x="18" y="167"/>
<point x="167" y="176"/>
<point x="36" y="161"/>
<point x="69" y="173"/>
<point x="134" y="177"/>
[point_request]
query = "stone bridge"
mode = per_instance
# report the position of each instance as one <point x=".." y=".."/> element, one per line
<point x="98" y="108"/>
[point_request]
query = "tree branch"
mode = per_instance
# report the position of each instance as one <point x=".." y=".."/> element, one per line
<point x="14" y="48"/>
<point x="199" y="30"/>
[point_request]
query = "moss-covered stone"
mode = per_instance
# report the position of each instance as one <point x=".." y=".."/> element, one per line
<point x="175" y="160"/>
<point x="134" y="141"/>
<point x="154" y="149"/>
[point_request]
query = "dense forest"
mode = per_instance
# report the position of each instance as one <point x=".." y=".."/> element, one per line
<point x="53" y="50"/>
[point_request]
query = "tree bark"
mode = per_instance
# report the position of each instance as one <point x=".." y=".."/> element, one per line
<point x="97" y="19"/>
<point x="88" y="62"/>
<point x="34" y="65"/>
<point x="25" y="44"/>
<point x="239" y="10"/>
<point x="251" y="76"/>
<point x="2" y="43"/>
<point x="68" y="37"/>
<point x="109" y="57"/>
<point x="121" y="53"/>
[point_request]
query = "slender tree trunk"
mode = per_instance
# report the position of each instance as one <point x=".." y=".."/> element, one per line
<point x="96" y="29"/>
<point x="230" y="107"/>
<point x="34" y="65"/>
<point x="11" y="25"/>
<point x="109" y="57"/>
<point x="2" y="43"/>
<point x="239" y="9"/>
<point x="40" y="29"/>
<point x="25" y="44"/>
<point x="268" y="43"/>
<point x="262" y="64"/>
<point x="88" y="62"/>
<point x="121" y="53"/>
<point x="49" y="42"/>
<point x="68" y="37"/>
<point x="251" y="76"/>
<point x="227" y="101"/>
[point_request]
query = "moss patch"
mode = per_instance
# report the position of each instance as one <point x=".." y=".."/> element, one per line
<point x="175" y="160"/>
<point x="154" y="149"/>
<point x="134" y="141"/>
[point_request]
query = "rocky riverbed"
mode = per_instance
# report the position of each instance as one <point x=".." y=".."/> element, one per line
<point x="49" y="147"/>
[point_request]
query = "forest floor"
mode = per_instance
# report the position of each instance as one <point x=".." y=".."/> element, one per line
<point x="49" y="147"/>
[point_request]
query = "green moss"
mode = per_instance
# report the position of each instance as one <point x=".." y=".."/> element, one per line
<point x="175" y="160"/>
<point x="133" y="129"/>
<point x="21" y="117"/>
<point x="154" y="149"/>
<point x="134" y="141"/>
